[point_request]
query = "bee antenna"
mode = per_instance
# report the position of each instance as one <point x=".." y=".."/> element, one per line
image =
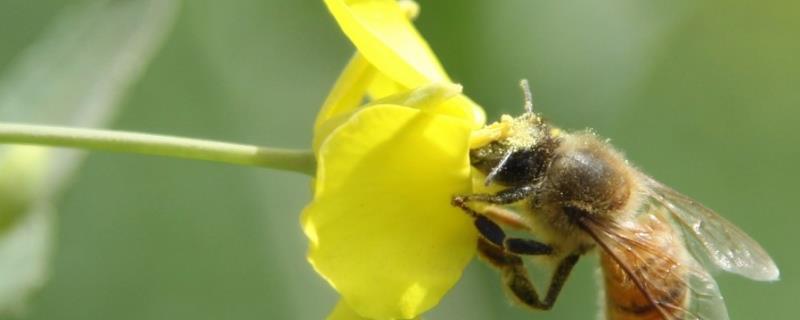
<point x="497" y="168"/>
<point x="526" y="90"/>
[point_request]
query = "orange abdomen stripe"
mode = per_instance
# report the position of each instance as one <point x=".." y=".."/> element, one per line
<point x="660" y="272"/>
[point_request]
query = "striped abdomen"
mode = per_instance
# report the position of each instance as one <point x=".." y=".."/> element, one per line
<point x="657" y="274"/>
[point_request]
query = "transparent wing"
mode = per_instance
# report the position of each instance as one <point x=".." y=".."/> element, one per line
<point x="711" y="238"/>
<point x="647" y="270"/>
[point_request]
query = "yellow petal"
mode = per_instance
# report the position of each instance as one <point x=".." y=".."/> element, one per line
<point x="383" y="86"/>
<point x="381" y="227"/>
<point x="343" y="312"/>
<point x="22" y="168"/>
<point x="463" y="107"/>
<point x="382" y="32"/>
<point x="434" y="97"/>
<point x="348" y="91"/>
<point x="428" y="97"/>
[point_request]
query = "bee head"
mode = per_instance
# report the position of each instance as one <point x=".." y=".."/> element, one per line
<point x="510" y="167"/>
<point x="520" y="158"/>
<point x="521" y="154"/>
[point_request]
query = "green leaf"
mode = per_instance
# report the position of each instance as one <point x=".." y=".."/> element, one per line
<point x="76" y="74"/>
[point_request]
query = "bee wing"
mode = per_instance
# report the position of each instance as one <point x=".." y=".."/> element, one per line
<point x="713" y="239"/>
<point x="661" y="272"/>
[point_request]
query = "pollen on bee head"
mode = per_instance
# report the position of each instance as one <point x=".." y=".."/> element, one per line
<point x="524" y="130"/>
<point x="488" y="134"/>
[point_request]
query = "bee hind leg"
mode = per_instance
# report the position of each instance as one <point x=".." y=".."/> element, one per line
<point x="515" y="275"/>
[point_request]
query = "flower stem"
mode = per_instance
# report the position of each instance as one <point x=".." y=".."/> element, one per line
<point x="301" y="161"/>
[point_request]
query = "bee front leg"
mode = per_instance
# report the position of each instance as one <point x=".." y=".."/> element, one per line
<point x="492" y="232"/>
<point x="505" y="196"/>
<point x="515" y="275"/>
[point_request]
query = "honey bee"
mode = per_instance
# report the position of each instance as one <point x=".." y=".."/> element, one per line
<point x="574" y="192"/>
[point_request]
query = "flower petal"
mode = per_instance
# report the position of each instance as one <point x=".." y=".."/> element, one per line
<point x="348" y="91"/>
<point x="383" y="33"/>
<point x="429" y="97"/>
<point x="381" y="227"/>
<point x="442" y="98"/>
<point x="463" y="107"/>
<point x="343" y="312"/>
<point x="22" y="172"/>
<point x="346" y="96"/>
<point x="383" y="86"/>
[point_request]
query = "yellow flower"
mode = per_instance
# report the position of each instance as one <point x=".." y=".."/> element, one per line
<point x="381" y="228"/>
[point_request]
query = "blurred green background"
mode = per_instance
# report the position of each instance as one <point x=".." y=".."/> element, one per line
<point x="702" y="95"/>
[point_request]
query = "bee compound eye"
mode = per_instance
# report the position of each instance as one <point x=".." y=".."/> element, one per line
<point x="522" y="167"/>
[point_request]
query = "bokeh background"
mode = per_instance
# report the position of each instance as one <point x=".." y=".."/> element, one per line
<point x="703" y="95"/>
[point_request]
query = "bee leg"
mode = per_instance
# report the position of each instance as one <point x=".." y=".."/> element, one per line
<point x="527" y="247"/>
<point x="492" y="232"/>
<point x="507" y="218"/>
<point x="506" y="196"/>
<point x="516" y="279"/>
<point x="493" y="254"/>
<point x="499" y="256"/>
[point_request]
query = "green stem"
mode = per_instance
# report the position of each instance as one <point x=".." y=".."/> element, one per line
<point x="301" y="161"/>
